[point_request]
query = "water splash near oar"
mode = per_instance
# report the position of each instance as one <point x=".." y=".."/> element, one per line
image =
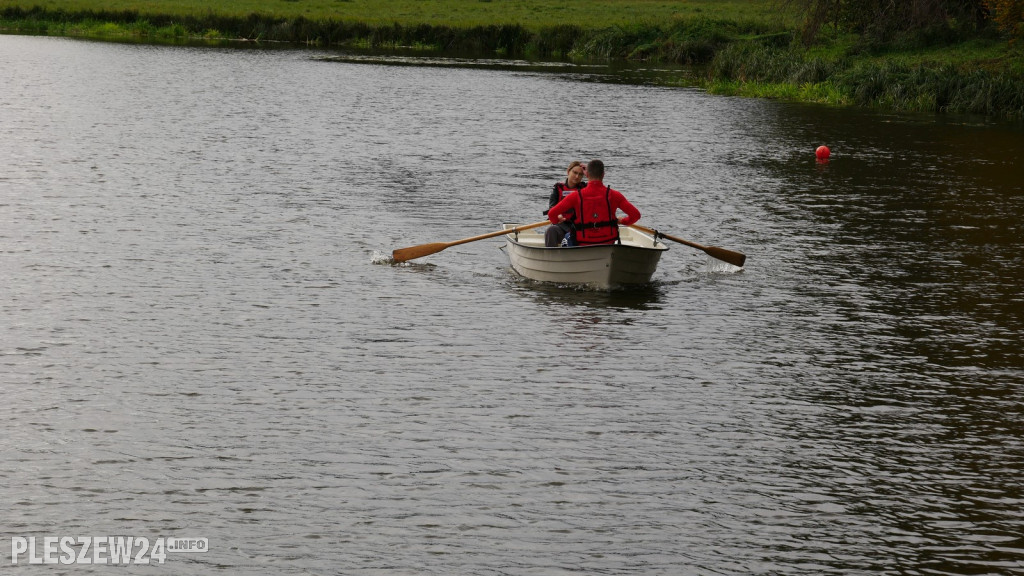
<point x="379" y="257"/>
<point x="716" y="266"/>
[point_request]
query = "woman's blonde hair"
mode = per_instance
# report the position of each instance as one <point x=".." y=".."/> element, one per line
<point x="574" y="164"/>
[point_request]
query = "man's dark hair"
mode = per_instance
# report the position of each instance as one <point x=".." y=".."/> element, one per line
<point x="595" y="170"/>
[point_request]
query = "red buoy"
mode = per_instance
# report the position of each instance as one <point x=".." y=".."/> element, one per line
<point x="822" y="152"/>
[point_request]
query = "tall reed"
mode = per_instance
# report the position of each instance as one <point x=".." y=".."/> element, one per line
<point x="766" y="71"/>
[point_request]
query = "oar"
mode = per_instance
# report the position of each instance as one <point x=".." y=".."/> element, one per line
<point x="413" y="252"/>
<point x="734" y="258"/>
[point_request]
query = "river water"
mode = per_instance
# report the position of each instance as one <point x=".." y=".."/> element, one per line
<point x="203" y="335"/>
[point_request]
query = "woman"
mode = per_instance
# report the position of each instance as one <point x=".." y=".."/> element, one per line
<point x="594" y="210"/>
<point x="573" y="181"/>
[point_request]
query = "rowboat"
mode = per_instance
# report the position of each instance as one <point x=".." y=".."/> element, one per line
<point x="602" y="266"/>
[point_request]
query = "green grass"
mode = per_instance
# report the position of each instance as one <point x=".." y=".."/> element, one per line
<point x="745" y="47"/>
<point x="820" y="92"/>
<point x="531" y="14"/>
<point x="685" y="32"/>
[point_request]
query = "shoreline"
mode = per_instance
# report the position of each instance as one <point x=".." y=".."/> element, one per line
<point x="975" y="76"/>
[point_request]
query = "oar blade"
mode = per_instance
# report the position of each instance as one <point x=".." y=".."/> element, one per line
<point x="413" y="252"/>
<point x="734" y="258"/>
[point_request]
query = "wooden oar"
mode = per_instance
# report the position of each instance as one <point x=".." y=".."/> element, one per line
<point x="413" y="252"/>
<point x="734" y="258"/>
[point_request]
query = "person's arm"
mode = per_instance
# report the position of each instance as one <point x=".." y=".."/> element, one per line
<point x="561" y="211"/>
<point x="632" y="214"/>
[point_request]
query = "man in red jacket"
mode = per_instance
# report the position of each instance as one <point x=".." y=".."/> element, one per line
<point x="595" y="206"/>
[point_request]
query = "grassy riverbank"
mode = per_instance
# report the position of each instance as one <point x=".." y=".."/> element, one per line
<point x="747" y="47"/>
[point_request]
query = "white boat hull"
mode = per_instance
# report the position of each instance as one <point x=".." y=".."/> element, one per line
<point x="632" y="262"/>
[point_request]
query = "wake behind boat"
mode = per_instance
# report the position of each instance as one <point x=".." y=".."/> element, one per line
<point x="632" y="262"/>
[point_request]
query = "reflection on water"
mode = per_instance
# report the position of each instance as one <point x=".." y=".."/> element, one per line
<point x="645" y="297"/>
<point x="615" y="72"/>
<point x="203" y="332"/>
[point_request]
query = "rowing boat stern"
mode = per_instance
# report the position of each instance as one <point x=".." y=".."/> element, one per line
<point x="632" y="262"/>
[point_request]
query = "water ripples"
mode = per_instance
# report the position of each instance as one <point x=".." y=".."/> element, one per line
<point x="204" y="332"/>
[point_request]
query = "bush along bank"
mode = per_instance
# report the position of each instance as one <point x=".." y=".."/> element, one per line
<point x="898" y="82"/>
<point x="752" y="58"/>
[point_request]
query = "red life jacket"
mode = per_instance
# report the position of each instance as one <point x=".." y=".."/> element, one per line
<point x="564" y="190"/>
<point x="559" y="193"/>
<point x="595" y="221"/>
